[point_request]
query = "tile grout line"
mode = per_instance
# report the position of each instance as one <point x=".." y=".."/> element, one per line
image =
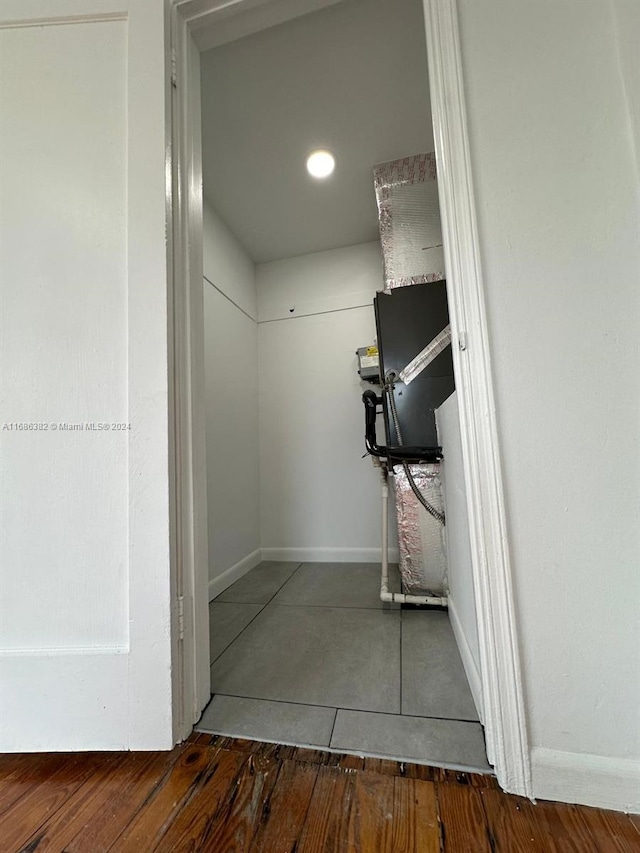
<point x="292" y="606"/>
<point x="254" y="604"/>
<point x="354" y="710"/>
<point x="228" y="646"/>
<point x="314" y="705"/>
<point x="283" y="584"/>
<point x="380" y="606"/>
<point x="333" y="727"/>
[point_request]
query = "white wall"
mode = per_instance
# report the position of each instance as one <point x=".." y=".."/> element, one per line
<point x="319" y="500"/>
<point x="557" y="192"/>
<point x="226" y="263"/>
<point x="462" y="603"/>
<point x="231" y="378"/>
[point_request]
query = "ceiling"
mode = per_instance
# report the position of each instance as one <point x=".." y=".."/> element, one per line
<point x="352" y="78"/>
<point x="233" y="19"/>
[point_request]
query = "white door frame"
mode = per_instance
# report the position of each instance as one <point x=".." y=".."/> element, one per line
<point x="502" y="689"/>
<point x="503" y="699"/>
<point x="190" y="486"/>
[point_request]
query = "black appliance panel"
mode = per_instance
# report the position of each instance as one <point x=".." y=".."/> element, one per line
<point x="407" y="319"/>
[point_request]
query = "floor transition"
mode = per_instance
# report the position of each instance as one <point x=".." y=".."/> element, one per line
<point x="307" y="654"/>
<point x="214" y="795"/>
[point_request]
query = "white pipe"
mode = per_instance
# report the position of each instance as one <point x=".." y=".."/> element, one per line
<point x="385" y="595"/>
<point x="384" y="585"/>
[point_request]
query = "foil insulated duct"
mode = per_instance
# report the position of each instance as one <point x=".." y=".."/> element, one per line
<point x="409" y="216"/>
<point x="423" y="562"/>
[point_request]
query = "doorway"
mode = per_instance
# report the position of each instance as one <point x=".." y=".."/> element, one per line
<point x="276" y="550"/>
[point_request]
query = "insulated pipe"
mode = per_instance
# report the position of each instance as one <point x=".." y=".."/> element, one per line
<point x="385" y="595"/>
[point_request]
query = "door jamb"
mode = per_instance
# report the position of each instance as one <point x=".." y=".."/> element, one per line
<point x="502" y="688"/>
<point x="189" y="486"/>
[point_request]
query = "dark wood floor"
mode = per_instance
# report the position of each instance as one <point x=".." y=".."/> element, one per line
<point x="218" y="794"/>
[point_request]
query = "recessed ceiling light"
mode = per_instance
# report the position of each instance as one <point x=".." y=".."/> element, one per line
<point x="320" y="163"/>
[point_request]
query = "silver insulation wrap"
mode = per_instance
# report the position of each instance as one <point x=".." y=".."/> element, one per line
<point x="426" y="356"/>
<point x="423" y="563"/>
<point x="409" y="216"/>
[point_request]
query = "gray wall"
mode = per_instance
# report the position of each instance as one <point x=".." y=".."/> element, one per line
<point x="319" y="499"/>
<point x="558" y="213"/>
<point x="462" y="603"/>
<point x="231" y="378"/>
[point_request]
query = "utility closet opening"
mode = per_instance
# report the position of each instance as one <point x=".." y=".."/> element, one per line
<point x="342" y="612"/>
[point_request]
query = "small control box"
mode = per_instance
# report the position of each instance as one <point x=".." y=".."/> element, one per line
<point x="369" y="364"/>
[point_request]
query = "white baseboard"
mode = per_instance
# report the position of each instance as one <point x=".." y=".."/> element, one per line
<point x="296" y="555"/>
<point x="221" y="582"/>
<point x="327" y="555"/>
<point x="591" y="780"/>
<point x="470" y="666"/>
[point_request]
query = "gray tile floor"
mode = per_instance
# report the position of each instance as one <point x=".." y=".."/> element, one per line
<point x="307" y="654"/>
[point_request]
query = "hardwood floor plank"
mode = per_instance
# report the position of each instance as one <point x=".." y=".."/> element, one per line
<point x="635" y="820"/>
<point x="220" y="741"/>
<point x="65" y="823"/>
<point x="238" y="744"/>
<point x="124" y="796"/>
<point x="23" y="773"/>
<point x="284" y="813"/>
<point x="483" y="780"/>
<point x="611" y="831"/>
<point x="350" y="762"/>
<point x="366" y="812"/>
<point x="287" y="753"/>
<point x="561" y="826"/>
<point x="420" y="771"/>
<point x="13" y="764"/>
<point x="513" y="824"/>
<point x="27" y="814"/>
<point x="382" y="765"/>
<point x="371" y="817"/>
<point x="312" y="756"/>
<point x="562" y="823"/>
<point x="8" y="761"/>
<point x="326" y="826"/>
<point x="268" y="798"/>
<point x="149" y="825"/>
<point x="195" y="820"/>
<point x="416" y="827"/>
<point x="238" y="818"/>
<point x="267" y="751"/>
<point x="200" y="739"/>
<point x="462" y="817"/>
<point x="518" y="825"/>
<point x="460" y="777"/>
